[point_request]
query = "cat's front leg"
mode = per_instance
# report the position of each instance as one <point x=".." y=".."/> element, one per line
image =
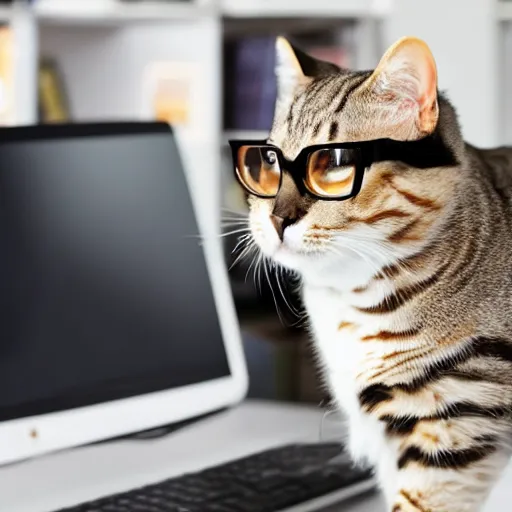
<point x="442" y="488"/>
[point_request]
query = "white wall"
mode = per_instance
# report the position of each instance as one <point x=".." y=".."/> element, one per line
<point x="464" y="37"/>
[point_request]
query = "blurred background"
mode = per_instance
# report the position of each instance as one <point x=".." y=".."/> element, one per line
<point x="207" y="67"/>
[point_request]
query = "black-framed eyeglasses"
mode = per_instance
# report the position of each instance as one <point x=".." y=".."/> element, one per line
<point x="333" y="171"/>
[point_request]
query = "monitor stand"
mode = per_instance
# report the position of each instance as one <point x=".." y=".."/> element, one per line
<point x="162" y="431"/>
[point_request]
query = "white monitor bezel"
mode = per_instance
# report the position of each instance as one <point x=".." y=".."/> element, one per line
<point x="36" y="435"/>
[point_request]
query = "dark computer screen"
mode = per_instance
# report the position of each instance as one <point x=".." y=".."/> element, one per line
<point x="104" y="291"/>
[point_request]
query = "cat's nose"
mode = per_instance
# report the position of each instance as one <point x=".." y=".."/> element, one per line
<point x="280" y="224"/>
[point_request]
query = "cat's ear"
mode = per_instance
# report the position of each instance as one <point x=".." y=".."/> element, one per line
<point x="295" y="67"/>
<point x="289" y="71"/>
<point x="404" y="85"/>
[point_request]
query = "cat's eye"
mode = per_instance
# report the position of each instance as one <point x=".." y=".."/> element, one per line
<point x="259" y="170"/>
<point x="330" y="173"/>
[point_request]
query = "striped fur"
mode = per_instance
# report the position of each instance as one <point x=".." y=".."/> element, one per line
<point x="408" y="285"/>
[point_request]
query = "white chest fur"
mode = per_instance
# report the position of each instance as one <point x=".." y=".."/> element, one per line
<point x="343" y="357"/>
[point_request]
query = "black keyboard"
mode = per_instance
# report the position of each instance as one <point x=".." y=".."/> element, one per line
<point x="268" y="481"/>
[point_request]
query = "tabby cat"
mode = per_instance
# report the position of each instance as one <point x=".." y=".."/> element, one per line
<point x="402" y="240"/>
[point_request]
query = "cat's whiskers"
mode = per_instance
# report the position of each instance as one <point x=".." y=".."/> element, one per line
<point x="326" y="240"/>
<point x="265" y="266"/>
<point x="234" y="219"/>
<point x="386" y="250"/>
<point x="291" y="307"/>
<point x="254" y="251"/>
<point x="375" y="254"/>
<point x="234" y="213"/>
<point x="378" y="259"/>
<point x="244" y="252"/>
<point x="337" y="250"/>
<point x="389" y="257"/>
<point x="241" y="241"/>
<point x="386" y="286"/>
<point x="257" y="271"/>
<point x="396" y="261"/>
<point x="233" y="225"/>
<point x="235" y="231"/>
<point x="256" y="254"/>
<point x="247" y="245"/>
<point x="364" y="245"/>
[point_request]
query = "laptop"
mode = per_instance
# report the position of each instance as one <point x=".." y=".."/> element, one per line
<point x="117" y="323"/>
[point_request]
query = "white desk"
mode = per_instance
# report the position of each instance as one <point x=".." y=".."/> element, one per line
<point x="67" y="478"/>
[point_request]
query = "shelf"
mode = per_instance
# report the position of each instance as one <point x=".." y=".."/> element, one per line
<point x="303" y="8"/>
<point x="106" y="12"/>
<point x="113" y="12"/>
<point x="504" y="10"/>
<point x="243" y="135"/>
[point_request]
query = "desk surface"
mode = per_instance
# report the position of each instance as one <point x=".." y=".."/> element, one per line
<point x="67" y="478"/>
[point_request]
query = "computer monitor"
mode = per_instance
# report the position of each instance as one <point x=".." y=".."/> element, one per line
<point x="114" y="316"/>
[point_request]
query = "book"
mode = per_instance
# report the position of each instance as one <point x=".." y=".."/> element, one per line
<point x="53" y="103"/>
<point x="250" y="84"/>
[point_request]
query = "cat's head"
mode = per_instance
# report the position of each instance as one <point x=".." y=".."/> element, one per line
<point x="401" y="200"/>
